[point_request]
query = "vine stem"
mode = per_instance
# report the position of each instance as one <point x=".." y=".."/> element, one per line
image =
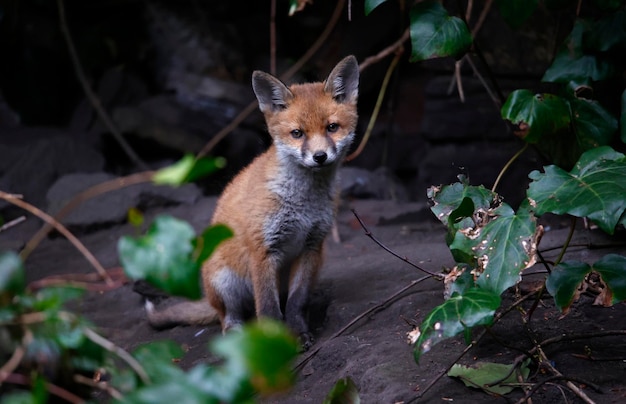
<point x="567" y="241"/>
<point x="379" y="103"/>
<point x="91" y="96"/>
<point x="12" y="199"/>
<point x="507" y="165"/>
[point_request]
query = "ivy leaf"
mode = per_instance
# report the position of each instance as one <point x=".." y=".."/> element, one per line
<point x="458" y="314"/>
<point x="594" y="188"/>
<point x="12" y="276"/>
<point x="608" y="32"/>
<point x="492" y="378"/>
<point x="593" y="125"/>
<point x="262" y="353"/>
<point x="573" y="64"/>
<point x="612" y="270"/>
<point x="448" y="200"/>
<point x="564" y="281"/>
<point x="343" y="392"/>
<point x="210" y="239"/>
<point x="434" y="33"/>
<point x="163" y="257"/>
<point x="370" y="5"/>
<point x="187" y="169"/>
<point x="516" y="12"/>
<point x="535" y="115"/>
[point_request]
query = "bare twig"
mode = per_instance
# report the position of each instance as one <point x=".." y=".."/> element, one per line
<point x="507" y="165"/>
<point x="379" y="103"/>
<point x="96" y="190"/>
<point x="12" y="223"/>
<point x="121" y="353"/>
<point x="15" y="378"/>
<point x="104" y="386"/>
<point x="89" y="93"/>
<point x="61" y="229"/>
<point x="385" y="52"/>
<point x="384" y="247"/>
<point x="15" y="359"/>
<point x="358" y="318"/>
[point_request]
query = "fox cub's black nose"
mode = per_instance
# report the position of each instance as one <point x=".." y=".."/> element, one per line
<point x="320" y="157"/>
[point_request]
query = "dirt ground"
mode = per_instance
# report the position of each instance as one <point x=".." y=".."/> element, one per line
<point x="359" y="275"/>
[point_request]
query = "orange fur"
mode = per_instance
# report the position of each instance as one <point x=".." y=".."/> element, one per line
<point x="281" y="207"/>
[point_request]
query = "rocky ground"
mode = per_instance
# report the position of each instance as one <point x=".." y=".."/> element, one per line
<point x="359" y="276"/>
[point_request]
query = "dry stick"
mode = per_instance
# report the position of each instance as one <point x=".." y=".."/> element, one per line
<point x="379" y="103"/>
<point x="384" y="247"/>
<point x="12" y="223"/>
<point x="549" y="380"/>
<point x="121" y="353"/>
<point x="219" y="136"/>
<point x="91" y="96"/>
<point x="61" y="229"/>
<point x="98" y="189"/>
<point x="359" y="317"/>
<point x="53" y="389"/>
<point x="385" y="52"/>
<point x="104" y="386"/>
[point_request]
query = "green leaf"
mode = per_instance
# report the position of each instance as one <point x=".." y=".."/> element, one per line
<point x="157" y="360"/>
<point x="612" y="270"/>
<point x="188" y="169"/>
<point x="504" y="247"/>
<point x="622" y="119"/>
<point x="434" y="33"/>
<point x="563" y="282"/>
<point x="12" y="276"/>
<point x="490" y="377"/>
<point x="573" y="64"/>
<point x="370" y="5"/>
<point x="516" y="12"/>
<point x="458" y="314"/>
<point x="210" y="239"/>
<point x="593" y="125"/>
<point x="263" y="352"/>
<point x="607" y="33"/>
<point x="594" y="188"/>
<point x="448" y="201"/>
<point x="52" y="298"/>
<point x="343" y="392"/>
<point x="535" y="115"/>
<point x="164" y="257"/>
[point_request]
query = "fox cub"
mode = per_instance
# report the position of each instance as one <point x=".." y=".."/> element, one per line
<point x="282" y="206"/>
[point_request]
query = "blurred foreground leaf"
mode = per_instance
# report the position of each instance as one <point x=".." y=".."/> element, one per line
<point x="187" y="169"/>
<point x="490" y="377"/>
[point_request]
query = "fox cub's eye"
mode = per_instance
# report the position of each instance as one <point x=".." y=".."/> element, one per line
<point x="332" y="127"/>
<point x="296" y="133"/>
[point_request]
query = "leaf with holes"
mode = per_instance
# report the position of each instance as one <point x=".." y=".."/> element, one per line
<point x="434" y="33"/>
<point x="595" y="188"/>
<point x="458" y="314"/>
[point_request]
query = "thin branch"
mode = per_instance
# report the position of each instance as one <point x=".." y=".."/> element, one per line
<point x="379" y="103"/>
<point x="384" y="247"/>
<point x="121" y="353"/>
<point x="89" y="193"/>
<point x="15" y="378"/>
<point x="12" y="223"/>
<point x="104" y="386"/>
<point x="91" y="96"/>
<point x="567" y="241"/>
<point x="61" y="229"/>
<point x="385" y="52"/>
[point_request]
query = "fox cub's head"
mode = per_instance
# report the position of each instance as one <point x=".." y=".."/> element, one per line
<point x="312" y="124"/>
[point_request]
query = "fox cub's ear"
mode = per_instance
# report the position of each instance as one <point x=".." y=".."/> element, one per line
<point x="272" y="94"/>
<point x="343" y="81"/>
